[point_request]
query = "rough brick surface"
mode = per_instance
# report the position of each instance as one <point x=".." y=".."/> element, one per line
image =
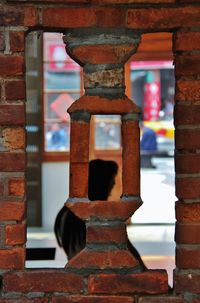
<point x="11" y="65"/>
<point x="15" y="234"/>
<point x="149" y="282"/>
<point x="188" y="212"/>
<point x="187" y="41"/>
<point x="12" y="114"/>
<point x="17" y="41"/>
<point x="79" y="142"/>
<point x="184" y="232"/>
<point x="105" y="234"/>
<point x="43" y="281"/>
<point x="187" y="65"/>
<point x="12" y="162"/>
<point x="186" y="114"/>
<point x="188" y="188"/>
<point x="14" y="138"/>
<point x="163" y="299"/>
<point x="92" y="299"/>
<point x="15" y="90"/>
<point x="188" y="258"/>
<point x="188" y="90"/>
<point x="188" y="139"/>
<point x="187" y="163"/>
<point x="12" y="258"/>
<point x="78" y="180"/>
<point x="16" y="187"/>
<point x="12" y="211"/>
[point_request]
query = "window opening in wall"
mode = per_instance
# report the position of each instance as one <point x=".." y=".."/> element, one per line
<point x="152" y="89"/>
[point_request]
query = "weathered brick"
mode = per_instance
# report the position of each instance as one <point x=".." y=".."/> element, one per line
<point x="163" y="299"/>
<point x="14" y="138"/>
<point x="187" y="65"/>
<point x="12" y="162"/>
<point x="131" y="158"/>
<point x="11" y="17"/>
<point x="187" y="163"/>
<point x="24" y="300"/>
<point x="103" y="259"/>
<point x="188" y="90"/>
<point x="105" y="234"/>
<point x="188" y="258"/>
<point x="92" y="299"/>
<point x="16" y="187"/>
<point x="15" y="234"/>
<point x="31" y="16"/>
<point x="1" y="188"/>
<point x="186" y="114"/>
<point x="149" y="282"/>
<point x="188" y="188"/>
<point x="78" y="180"/>
<point x="12" y="258"/>
<point x="15" y="90"/>
<point x="43" y="281"/>
<point x="12" y="114"/>
<point x="12" y="211"/>
<point x="188" y="139"/>
<point x="131" y="1"/>
<point x="114" y="210"/>
<point x="162" y="18"/>
<point x="79" y="142"/>
<point x="17" y="41"/>
<point x="103" y="54"/>
<point x="104" y="78"/>
<point x="83" y="17"/>
<point x="187" y="41"/>
<point x="11" y="65"/>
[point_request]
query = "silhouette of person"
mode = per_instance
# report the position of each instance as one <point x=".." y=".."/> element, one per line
<point x="70" y="230"/>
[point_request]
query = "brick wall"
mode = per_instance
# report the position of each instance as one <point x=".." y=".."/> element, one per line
<point x="110" y="33"/>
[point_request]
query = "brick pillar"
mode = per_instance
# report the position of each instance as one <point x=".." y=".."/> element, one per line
<point x="103" y="56"/>
<point x="187" y="164"/>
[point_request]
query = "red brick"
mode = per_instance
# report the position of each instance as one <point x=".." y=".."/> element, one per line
<point x="188" y="90"/>
<point x="163" y="299"/>
<point x="31" y="16"/>
<point x="12" y="258"/>
<point x="16" y="187"/>
<point x="15" y="234"/>
<point x="12" y="211"/>
<point x="114" y="210"/>
<point x="43" y="281"/>
<point x="1" y="188"/>
<point x="188" y="188"/>
<point x="103" y="259"/>
<point x="79" y="142"/>
<point x="78" y="180"/>
<point x="186" y="114"/>
<point x="15" y="90"/>
<point x="17" y="41"/>
<point x="103" y="54"/>
<point x="149" y="282"/>
<point x="187" y="163"/>
<point x="187" y="233"/>
<point x="187" y="65"/>
<point x="101" y="105"/>
<point x="12" y="114"/>
<point x="106" y="234"/>
<point x="186" y="282"/>
<point x="11" y="65"/>
<point x="188" y="212"/>
<point x="24" y="300"/>
<point x="188" y="139"/>
<point x="92" y="299"/>
<point x="83" y="17"/>
<point x="12" y="162"/>
<point x="14" y="138"/>
<point x="188" y="258"/>
<point x="162" y="18"/>
<point x="187" y="41"/>
<point x="131" y="158"/>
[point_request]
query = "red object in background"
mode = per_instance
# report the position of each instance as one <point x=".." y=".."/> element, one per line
<point x="151" y="103"/>
<point x="59" y="60"/>
<point x="60" y="106"/>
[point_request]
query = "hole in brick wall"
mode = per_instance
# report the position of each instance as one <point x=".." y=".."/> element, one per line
<point x="152" y="88"/>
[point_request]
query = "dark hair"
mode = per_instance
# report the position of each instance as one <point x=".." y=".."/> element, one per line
<point x="70" y="230"/>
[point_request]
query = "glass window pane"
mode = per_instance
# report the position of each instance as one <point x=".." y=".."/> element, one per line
<point x="57" y="136"/>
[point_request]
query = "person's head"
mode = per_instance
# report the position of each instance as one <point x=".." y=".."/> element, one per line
<point x="102" y="175"/>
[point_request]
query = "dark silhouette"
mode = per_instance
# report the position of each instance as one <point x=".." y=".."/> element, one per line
<point x="70" y="230"/>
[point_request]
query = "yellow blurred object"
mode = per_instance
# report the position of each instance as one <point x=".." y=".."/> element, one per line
<point x="162" y="128"/>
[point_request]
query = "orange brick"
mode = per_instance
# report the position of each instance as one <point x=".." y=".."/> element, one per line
<point x="78" y="180"/>
<point x="187" y="90"/>
<point x="187" y="41"/>
<point x="105" y="234"/>
<point x="188" y="212"/>
<point x="92" y="299"/>
<point x="188" y="258"/>
<point x="12" y="258"/>
<point x="16" y="187"/>
<point x="79" y="142"/>
<point x="15" y="234"/>
<point x="14" y="138"/>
